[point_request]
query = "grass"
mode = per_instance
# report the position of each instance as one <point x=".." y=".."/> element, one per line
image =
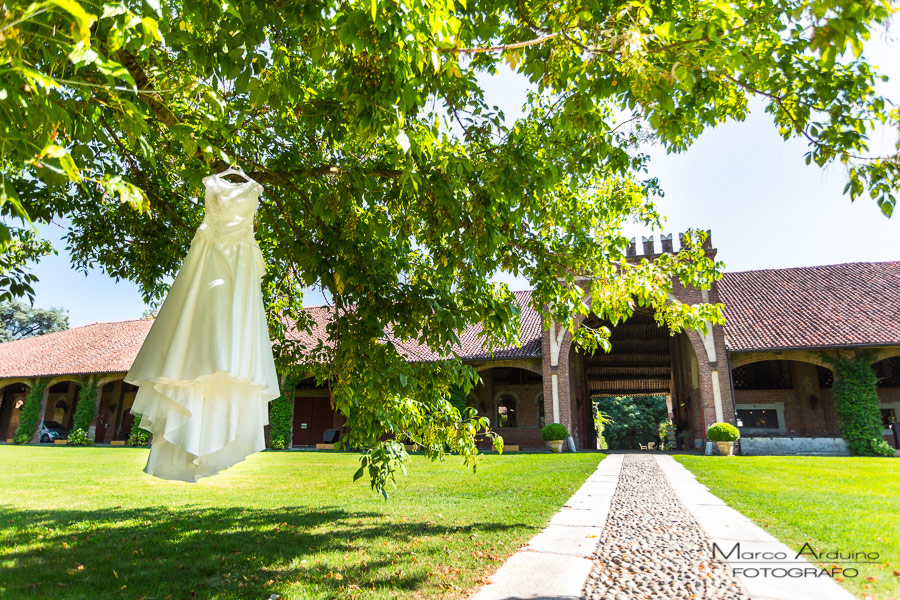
<point x="846" y="504"/>
<point x="87" y="523"/>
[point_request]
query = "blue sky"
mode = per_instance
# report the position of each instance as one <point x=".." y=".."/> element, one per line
<point x="765" y="207"/>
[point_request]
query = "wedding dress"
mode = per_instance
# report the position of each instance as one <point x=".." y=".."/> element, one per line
<point x="205" y="372"/>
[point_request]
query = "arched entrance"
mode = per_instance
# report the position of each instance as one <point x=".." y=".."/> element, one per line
<point x="62" y="401"/>
<point x="645" y="360"/>
<point x="784" y="398"/>
<point x="513" y="399"/>
<point x="113" y="420"/>
<point x="12" y="399"/>
<point x="888" y="372"/>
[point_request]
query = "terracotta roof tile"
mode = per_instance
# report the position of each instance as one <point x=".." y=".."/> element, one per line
<point x="98" y="348"/>
<point x="852" y="304"/>
<point x="112" y="347"/>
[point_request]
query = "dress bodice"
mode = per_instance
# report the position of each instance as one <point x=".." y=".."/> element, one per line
<point x="230" y="208"/>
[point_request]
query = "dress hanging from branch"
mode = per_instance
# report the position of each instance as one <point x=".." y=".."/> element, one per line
<point x="206" y="372"/>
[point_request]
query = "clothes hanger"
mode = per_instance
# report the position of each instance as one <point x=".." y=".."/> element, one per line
<point x="234" y="169"/>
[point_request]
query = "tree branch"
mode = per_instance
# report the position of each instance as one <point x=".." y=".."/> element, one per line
<point x="514" y="46"/>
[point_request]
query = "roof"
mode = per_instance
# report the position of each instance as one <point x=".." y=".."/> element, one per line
<point x="852" y="304"/>
<point x="112" y="347"/>
<point x="472" y="346"/>
<point x="98" y="348"/>
<point x="471" y="340"/>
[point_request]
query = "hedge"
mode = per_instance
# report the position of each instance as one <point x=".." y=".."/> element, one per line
<point x="281" y="415"/>
<point x="84" y="416"/>
<point x="855" y="394"/>
<point x="30" y="417"/>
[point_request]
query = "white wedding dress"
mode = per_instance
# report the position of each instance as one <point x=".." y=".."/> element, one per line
<point x="205" y="372"/>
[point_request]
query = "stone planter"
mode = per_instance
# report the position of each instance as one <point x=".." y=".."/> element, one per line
<point x="726" y="448"/>
<point x="555" y="446"/>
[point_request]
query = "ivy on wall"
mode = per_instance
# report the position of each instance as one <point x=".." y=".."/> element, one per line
<point x="856" y="403"/>
<point x="31" y="413"/>
<point x="84" y="416"/>
<point x="281" y="415"/>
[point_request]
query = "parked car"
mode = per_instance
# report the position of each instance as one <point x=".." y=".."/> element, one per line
<point x="51" y="430"/>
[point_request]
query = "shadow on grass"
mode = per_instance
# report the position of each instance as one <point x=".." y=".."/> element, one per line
<point x="200" y="552"/>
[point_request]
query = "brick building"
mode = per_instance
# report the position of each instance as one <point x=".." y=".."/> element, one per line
<point x="766" y="370"/>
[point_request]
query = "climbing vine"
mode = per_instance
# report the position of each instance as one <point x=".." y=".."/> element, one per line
<point x="31" y="414"/>
<point x="84" y="416"/>
<point x="856" y="402"/>
<point x="281" y="414"/>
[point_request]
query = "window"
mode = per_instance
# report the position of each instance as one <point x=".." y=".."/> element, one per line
<point x="826" y="377"/>
<point x="758" y="418"/>
<point x="540" y="410"/>
<point x="761" y="418"/>
<point x="506" y="411"/>
<point x="765" y="375"/>
<point x="888" y="372"/>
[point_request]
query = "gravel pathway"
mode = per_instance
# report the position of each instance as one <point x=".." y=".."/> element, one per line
<point x="651" y="547"/>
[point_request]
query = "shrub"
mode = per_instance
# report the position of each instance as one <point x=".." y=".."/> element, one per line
<point x="856" y="403"/>
<point x="554" y="432"/>
<point x="30" y="417"/>
<point x="138" y="436"/>
<point x="79" y="437"/>
<point x="722" y="432"/>
<point x="84" y="415"/>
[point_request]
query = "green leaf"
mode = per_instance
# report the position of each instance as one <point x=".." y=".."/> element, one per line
<point x="82" y="19"/>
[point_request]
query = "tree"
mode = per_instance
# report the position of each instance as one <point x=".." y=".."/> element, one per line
<point x="632" y="419"/>
<point x="389" y="181"/>
<point x="18" y="321"/>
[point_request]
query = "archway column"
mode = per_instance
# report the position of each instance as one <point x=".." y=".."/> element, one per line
<point x="557" y="379"/>
<point x="92" y="429"/>
<point x="36" y="438"/>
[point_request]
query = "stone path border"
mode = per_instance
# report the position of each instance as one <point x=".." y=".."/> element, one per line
<point x="556" y="562"/>
<point x="652" y="547"/>
<point x="725" y="527"/>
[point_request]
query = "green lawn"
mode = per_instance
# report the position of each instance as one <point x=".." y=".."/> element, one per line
<point x="87" y="523"/>
<point x="846" y="504"/>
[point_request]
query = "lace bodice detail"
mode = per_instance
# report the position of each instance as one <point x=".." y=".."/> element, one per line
<point x="230" y="208"/>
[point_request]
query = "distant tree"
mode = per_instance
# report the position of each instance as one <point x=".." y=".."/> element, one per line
<point x="19" y="321"/>
<point x="634" y="419"/>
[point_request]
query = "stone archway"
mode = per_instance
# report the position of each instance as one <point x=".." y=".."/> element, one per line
<point x="511" y="392"/>
<point x="784" y="395"/>
<point x="704" y="398"/>
<point x="12" y="398"/>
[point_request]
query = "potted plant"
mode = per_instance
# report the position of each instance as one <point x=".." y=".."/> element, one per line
<point x="555" y="434"/>
<point x="724" y="435"/>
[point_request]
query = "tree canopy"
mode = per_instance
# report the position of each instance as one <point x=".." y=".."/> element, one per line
<point x="18" y="321"/>
<point x="389" y="181"/>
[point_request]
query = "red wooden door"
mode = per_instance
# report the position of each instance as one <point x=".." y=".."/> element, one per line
<point x="301" y="424"/>
<point x="322" y="419"/>
<point x="312" y="416"/>
<point x="102" y="421"/>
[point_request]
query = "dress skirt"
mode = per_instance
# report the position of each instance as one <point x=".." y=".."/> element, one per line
<point x="205" y="372"/>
